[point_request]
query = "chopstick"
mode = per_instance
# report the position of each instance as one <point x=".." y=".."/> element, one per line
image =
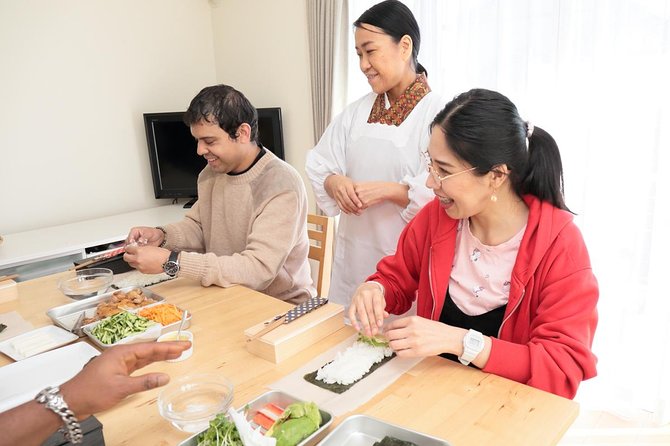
<point x="83" y="264"/>
<point x="10" y="277"/>
<point x="268" y="328"/>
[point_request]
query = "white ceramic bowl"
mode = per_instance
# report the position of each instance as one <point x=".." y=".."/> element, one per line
<point x="183" y="336"/>
<point x="190" y="402"/>
<point x="87" y="283"/>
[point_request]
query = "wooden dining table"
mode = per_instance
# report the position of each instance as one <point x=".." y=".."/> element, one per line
<point x="438" y="397"/>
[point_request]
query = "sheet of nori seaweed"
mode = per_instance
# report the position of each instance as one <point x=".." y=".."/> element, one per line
<point x="341" y="388"/>
<point x="392" y="441"/>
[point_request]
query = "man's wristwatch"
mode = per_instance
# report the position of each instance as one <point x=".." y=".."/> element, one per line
<point x="53" y="400"/>
<point x="473" y="344"/>
<point x="171" y="267"/>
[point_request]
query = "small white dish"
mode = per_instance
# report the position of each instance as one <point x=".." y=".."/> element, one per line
<point x="36" y="341"/>
<point x="183" y="336"/>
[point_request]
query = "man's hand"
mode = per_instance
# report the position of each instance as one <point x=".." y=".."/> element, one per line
<point x="106" y="380"/>
<point x="146" y="259"/>
<point x="144" y="235"/>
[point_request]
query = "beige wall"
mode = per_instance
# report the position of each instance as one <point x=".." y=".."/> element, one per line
<point x="75" y="78"/>
<point x="77" y="75"/>
<point x="261" y="48"/>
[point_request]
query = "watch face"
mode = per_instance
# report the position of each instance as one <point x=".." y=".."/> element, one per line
<point x="171" y="268"/>
<point x="475" y="342"/>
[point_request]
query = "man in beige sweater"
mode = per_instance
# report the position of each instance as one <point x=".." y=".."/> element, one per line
<point x="249" y="225"/>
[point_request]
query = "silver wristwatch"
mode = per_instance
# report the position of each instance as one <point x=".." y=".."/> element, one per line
<point x="473" y="344"/>
<point x="171" y="266"/>
<point x="53" y="400"/>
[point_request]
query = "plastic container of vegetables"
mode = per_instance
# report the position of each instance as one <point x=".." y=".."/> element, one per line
<point x="122" y="328"/>
<point x="265" y="405"/>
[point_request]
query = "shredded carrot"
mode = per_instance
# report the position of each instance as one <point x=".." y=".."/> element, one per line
<point x="164" y="314"/>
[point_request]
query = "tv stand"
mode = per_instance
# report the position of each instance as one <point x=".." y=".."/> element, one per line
<point x="190" y="203"/>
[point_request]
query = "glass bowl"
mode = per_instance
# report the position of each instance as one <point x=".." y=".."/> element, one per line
<point x="190" y="402"/>
<point x="87" y="283"/>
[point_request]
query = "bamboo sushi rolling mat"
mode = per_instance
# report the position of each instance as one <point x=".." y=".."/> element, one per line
<point x="360" y="393"/>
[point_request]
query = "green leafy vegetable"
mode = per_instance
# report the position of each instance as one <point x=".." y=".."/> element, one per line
<point x="375" y="341"/>
<point x="120" y="326"/>
<point x="221" y="432"/>
<point x="298" y="422"/>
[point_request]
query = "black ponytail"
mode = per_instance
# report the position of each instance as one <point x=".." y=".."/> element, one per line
<point x="484" y="129"/>
<point x="544" y="175"/>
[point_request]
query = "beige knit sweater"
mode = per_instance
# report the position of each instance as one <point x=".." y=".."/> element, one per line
<point x="248" y="229"/>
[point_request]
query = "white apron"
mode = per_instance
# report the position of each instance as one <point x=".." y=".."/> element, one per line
<point x="371" y="152"/>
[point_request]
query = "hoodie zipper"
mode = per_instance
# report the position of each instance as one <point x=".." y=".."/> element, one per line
<point x="523" y="293"/>
<point x="430" y="282"/>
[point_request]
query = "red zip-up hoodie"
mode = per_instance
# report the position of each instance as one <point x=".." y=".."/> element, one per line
<point x="546" y="335"/>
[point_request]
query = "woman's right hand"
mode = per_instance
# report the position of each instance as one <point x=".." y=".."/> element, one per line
<point x="145" y="235"/>
<point x="342" y="190"/>
<point x="367" y="310"/>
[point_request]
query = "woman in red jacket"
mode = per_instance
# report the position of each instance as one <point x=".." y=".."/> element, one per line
<point x="500" y="272"/>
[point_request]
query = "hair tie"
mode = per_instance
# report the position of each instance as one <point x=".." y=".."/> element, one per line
<point x="529" y="129"/>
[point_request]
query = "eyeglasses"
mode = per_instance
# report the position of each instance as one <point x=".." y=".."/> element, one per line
<point x="436" y="176"/>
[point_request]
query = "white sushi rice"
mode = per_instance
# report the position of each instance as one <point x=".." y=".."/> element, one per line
<point x="350" y="365"/>
<point x="137" y="279"/>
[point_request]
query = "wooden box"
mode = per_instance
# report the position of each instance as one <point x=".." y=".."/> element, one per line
<point x="288" y="339"/>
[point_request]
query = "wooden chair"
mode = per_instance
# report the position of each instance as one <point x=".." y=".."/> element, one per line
<point x="320" y="230"/>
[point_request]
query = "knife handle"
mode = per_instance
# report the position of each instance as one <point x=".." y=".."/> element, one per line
<point x="271" y="326"/>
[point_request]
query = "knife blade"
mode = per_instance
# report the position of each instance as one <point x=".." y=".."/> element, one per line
<point x="291" y="315"/>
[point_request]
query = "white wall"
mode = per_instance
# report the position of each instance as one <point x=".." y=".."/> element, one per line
<point x="262" y="49"/>
<point x="75" y="78"/>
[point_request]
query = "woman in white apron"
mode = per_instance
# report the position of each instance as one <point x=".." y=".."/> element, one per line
<point x="368" y="166"/>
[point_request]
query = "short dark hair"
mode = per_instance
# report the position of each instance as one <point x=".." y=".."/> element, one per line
<point x="484" y="129"/>
<point x="396" y="20"/>
<point x="224" y="105"/>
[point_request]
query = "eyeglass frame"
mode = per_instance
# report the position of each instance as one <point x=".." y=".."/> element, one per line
<point x="435" y="175"/>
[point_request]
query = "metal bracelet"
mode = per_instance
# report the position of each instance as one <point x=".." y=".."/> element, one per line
<point x="52" y="399"/>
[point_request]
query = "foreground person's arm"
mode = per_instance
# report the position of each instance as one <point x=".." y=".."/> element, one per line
<point x="31" y="423"/>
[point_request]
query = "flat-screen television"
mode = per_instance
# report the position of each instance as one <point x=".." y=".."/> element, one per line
<point x="175" y="164"/>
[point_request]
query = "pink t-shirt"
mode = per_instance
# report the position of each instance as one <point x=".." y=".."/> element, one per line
<point x="480" y="277"/>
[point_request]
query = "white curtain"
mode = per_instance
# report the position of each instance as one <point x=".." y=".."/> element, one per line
<point x="327" y="28"/>
<point x="595" y="74"/>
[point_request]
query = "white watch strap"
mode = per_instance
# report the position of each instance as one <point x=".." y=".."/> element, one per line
<point x="473" y="344"/>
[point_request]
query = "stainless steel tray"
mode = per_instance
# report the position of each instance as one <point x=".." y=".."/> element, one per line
<point x="281" y="399"/>
<point x="362" y="430"/>
<point x="65" y="316"/>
